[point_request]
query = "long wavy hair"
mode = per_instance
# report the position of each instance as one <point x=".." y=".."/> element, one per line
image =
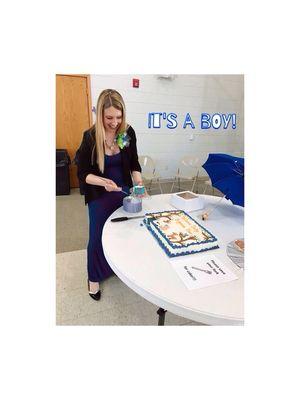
<point x="107" y="98"/>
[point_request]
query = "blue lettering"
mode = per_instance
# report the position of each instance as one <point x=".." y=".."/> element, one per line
<point x="205" y="121"/>
<point x="233" y="121"/>
<point x="172" y="123"/>
<point x="188" y="121"/>
<point x="226" y="120"/>
<point x="154" y="120"/>
<point x="216" y="121"/>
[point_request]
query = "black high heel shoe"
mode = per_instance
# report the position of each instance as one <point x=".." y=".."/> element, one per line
<point x="96" y="296"/>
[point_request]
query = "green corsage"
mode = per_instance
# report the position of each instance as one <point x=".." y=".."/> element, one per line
<point x="123" y="140"/>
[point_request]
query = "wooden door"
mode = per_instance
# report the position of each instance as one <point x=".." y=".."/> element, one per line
<point x="73" y="115"/>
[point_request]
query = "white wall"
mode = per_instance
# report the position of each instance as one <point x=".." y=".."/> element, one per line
<point x="184" y="94"/>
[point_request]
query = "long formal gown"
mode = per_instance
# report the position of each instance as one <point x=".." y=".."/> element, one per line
<point x="99" y="211"/>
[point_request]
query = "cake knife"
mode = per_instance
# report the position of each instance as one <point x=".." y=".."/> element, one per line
<point x="119" y="219"/>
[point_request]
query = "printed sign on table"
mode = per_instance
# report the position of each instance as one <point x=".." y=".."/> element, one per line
<point x="202" y="271"/>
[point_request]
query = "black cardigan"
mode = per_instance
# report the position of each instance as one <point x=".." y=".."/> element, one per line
<point x="86" y="160"/>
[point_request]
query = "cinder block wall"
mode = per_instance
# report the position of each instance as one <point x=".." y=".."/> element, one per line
<point x="193" y="94"/>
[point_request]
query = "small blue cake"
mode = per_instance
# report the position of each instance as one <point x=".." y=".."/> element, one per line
<point x="132" y="204"/>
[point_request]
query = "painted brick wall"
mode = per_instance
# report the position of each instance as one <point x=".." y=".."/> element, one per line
<point x="184" y="94"/>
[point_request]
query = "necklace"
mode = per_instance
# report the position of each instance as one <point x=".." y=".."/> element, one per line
<point x="112" y="145"/>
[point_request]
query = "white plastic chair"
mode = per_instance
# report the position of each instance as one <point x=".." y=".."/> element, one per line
<point x="149" y="173"/>
<point x="207" y="184"/>
<point x="188" y="170"/>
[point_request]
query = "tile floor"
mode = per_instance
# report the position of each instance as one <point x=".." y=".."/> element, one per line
<point x="119" y="305"/>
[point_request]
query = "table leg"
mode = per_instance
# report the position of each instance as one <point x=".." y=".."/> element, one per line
<point x="161" y="319"/>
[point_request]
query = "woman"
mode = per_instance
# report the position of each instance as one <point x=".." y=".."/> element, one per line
<point x="107" y="161"/>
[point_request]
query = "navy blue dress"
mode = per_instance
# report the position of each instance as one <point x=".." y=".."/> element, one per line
<point x="99" y="211"/>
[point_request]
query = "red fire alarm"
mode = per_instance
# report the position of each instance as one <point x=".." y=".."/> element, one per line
<point x="135" y="83"/>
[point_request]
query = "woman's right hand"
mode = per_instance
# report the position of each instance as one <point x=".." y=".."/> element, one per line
<point x="110" y="186"/>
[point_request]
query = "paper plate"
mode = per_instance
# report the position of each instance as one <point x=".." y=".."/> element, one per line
<point x="235" y="255"/>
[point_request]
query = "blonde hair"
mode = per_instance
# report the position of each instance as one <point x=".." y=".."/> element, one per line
<point x="108" y="98"/>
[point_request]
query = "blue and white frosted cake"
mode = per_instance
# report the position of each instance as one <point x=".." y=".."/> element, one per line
<point x="179" y="234"/>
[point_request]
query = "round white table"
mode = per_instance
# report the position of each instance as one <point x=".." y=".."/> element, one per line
<point x="138" y="260"/>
